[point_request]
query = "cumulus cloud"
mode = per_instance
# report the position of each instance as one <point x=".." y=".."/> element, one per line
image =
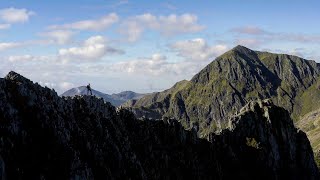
<point x="92" y="49"/>
<point x="197" y="49"/>
<point x="4" y="26"/>
<point x="49" y="70"/>
<point x="173" y="24"/>
<point x="10" y="45"/>
<point x="59" y="36"/>
<point x="196" y="54"/>
<point x="28" y="58"/>
<point x="90" y="24"/>
<point x="13" y="15"/>
<point x="64" y="86"/>
<point x="154" y="65"/>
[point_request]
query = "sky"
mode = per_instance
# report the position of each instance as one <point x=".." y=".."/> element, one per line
<point x="145" y="45"/>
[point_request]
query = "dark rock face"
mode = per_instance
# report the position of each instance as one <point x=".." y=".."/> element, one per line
<point x="262" y="139"/>
<point x="44" y="136"/>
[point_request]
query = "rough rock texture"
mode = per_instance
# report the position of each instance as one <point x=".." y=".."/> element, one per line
<point x="231" y="81"/>
<point x="262" y="138"/>
<point x="44" y="136"/>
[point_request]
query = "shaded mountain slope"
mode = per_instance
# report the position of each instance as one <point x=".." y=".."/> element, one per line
<point x="228" y="83"/>
<point x="114" y="99"/>
<point x="44" y="136"/>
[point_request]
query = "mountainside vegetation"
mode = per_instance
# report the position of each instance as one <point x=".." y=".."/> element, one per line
<point x="229" y="82"/>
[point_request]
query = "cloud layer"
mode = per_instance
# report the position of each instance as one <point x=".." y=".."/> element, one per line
<point x="90" y="24"/>
<point x="197" y="49"/>
<point x="169" y="25"/>
<point x="92" y="49"/>
<point x="13" y="15"/>
<point x="9" y="45"/>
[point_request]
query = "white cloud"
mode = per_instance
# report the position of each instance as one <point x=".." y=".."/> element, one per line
<point x="263" y="36"/>
<point x="48" y="84"/>
<point x="9" y="45"/>
<point x="249" y="42"/>
<point x="13" y="15"/>
<point x="133" y="30"/>
<point x="154" y="65"/>
<point x="49" y="70"/>
<point x="92" y="49"/>
<point x="300" y="52"/>
<point x="22" y="44"/>
<point x="197" y="49"/>
<point x="251" y="30"/>
<point x="28" y="58"/>
<point x="64" y="86"/>
<point x="196" y="54"/>
<point x="59" y="36"/>
<point x="4" y="26"/>
<point x="302" y="38"/>
<point x="20" y="58"/>
<point x="173" y="24"/>
<point x="91" y="24"/>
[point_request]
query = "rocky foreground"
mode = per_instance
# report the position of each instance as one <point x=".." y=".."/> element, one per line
<point x="44" y="136"/>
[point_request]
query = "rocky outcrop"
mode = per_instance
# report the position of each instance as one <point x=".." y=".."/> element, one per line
<point x="44" y="136"/>
<point x="231" y="81"/>
<point x="262" y="139"/>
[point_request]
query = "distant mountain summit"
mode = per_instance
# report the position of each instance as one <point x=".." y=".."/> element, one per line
<point x="229" y="82"/>
<point x="114" y="99"/>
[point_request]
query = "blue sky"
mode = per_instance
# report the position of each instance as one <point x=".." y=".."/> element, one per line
<point x="143" y="45"/>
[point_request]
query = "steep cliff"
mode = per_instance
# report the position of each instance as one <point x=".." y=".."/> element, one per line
<point x="262" y="138"/>
<point x="44" y="136"/>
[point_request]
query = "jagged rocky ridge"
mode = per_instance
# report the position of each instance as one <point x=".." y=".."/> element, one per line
<point x="44" y="136"/>
<point x="231" y="81"/>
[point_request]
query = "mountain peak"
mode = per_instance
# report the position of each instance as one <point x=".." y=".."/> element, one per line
<point x="242" y="49"/>
<point x="15" y="76"/>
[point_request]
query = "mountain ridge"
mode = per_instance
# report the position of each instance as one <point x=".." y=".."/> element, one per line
<point x="44" y="136"/>
<point x="228" y="83"/>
